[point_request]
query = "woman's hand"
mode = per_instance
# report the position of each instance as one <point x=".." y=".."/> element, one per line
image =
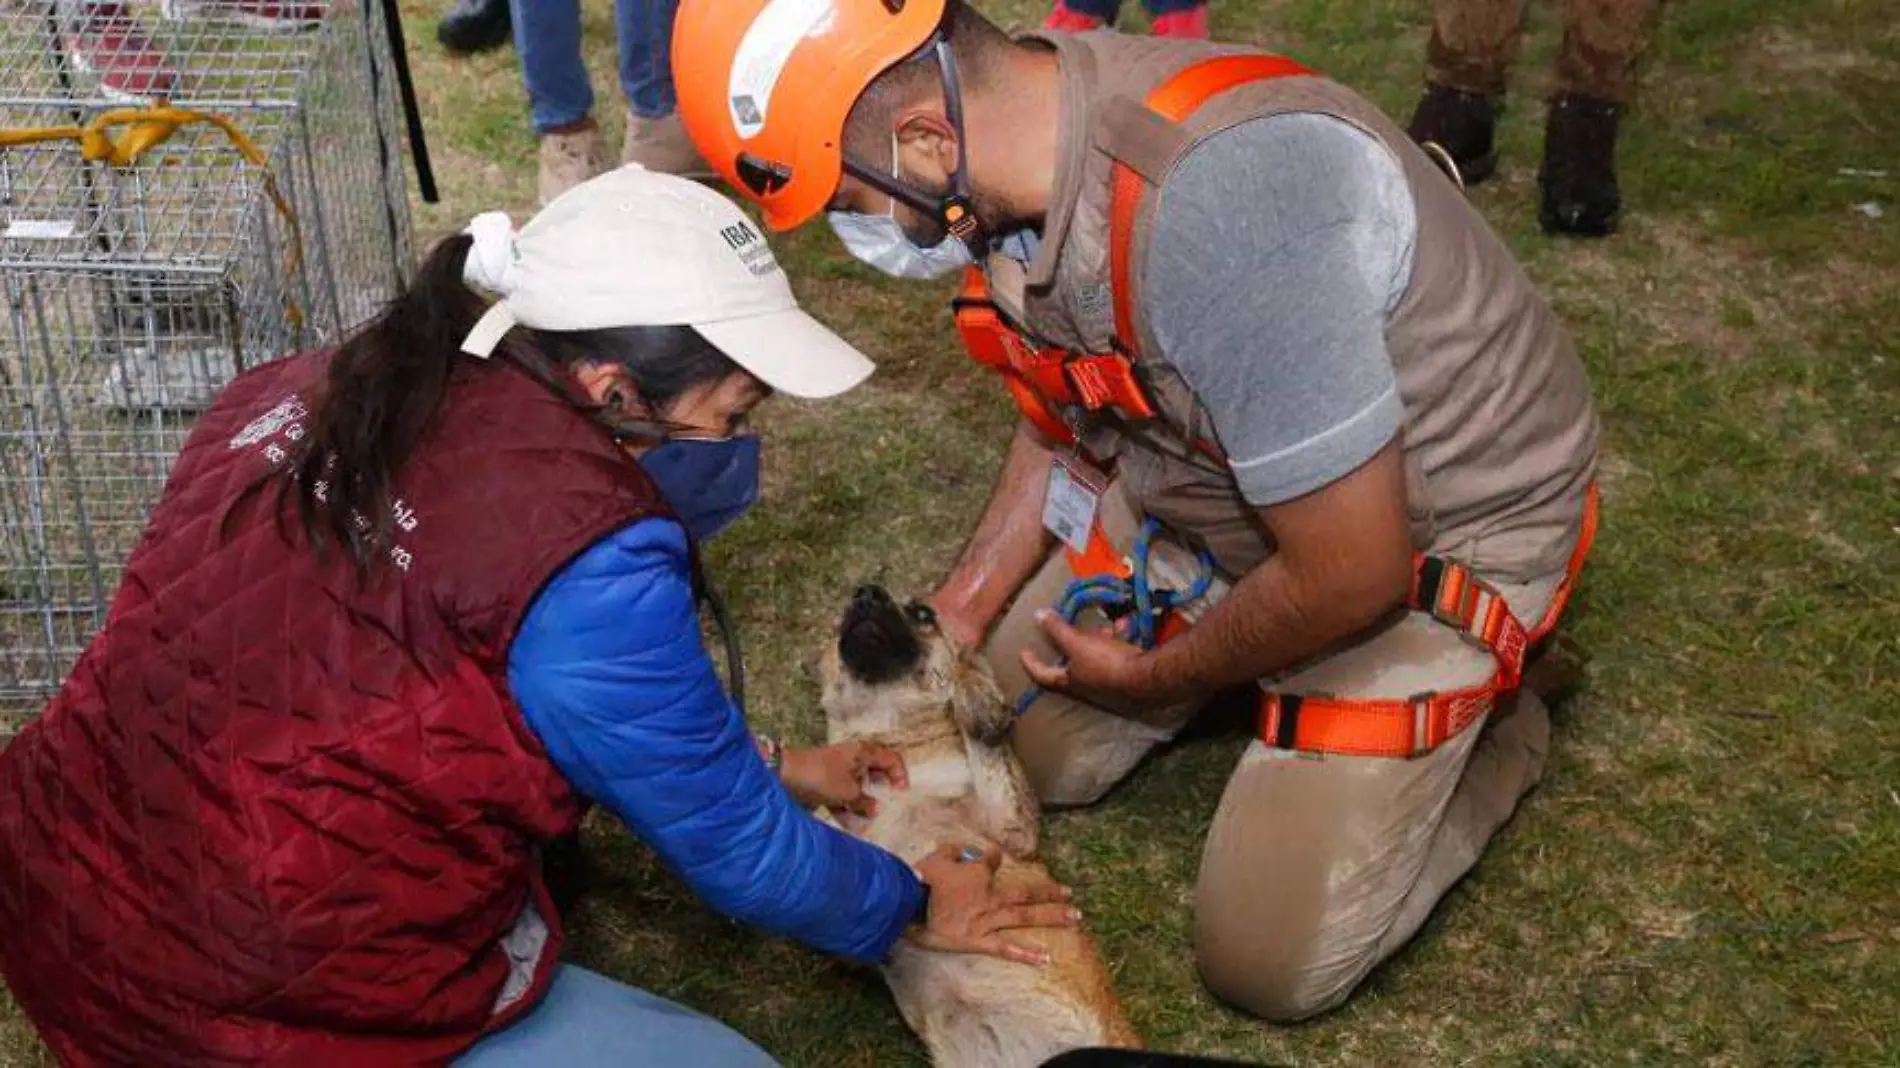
<point x="834" y="776"/>
<point x="969" y="913"/>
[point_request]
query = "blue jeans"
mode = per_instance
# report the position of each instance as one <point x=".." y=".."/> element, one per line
<point x="1107" y="9"/>
<point x="589" y="1021"/>
<point x="548" y="38"/>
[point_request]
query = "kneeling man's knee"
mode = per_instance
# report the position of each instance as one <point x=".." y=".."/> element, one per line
<point x="1074" y="754"/>
<point x="1281" y="976"/>
<point x="1064" y="784"/>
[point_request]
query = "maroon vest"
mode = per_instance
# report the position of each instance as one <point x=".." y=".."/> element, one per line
<point x="278" y="816"/>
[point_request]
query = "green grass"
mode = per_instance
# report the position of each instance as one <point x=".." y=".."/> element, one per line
<point x="1708" y="873"/>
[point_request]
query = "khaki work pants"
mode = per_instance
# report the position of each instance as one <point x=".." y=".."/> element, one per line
<point x="1315" y="868"/>
<point x="1474" y="41"/>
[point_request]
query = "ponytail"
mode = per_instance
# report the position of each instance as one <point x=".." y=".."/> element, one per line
<point x="384" y="386"/>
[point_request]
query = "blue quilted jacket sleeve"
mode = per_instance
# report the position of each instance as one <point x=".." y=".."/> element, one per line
<point x="610" y="672"/>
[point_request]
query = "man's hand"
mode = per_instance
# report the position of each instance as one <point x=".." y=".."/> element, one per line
<point x="969" y="913"/>
<point x="834" y="776"/>
<point x="1093" y="661"/>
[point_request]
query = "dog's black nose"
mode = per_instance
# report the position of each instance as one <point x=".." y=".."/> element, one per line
<point x="875" y="640"/>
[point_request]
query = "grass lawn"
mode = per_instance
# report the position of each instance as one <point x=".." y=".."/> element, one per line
<point x="1708" y="873"/>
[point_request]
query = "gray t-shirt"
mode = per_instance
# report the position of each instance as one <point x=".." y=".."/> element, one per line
<point x="1280" y="247"/>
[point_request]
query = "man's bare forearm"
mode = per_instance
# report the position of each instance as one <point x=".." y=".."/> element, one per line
<point x="1009" y="542"/>
<point x="1273" y="619"/>
<point x="1344" y="561"/>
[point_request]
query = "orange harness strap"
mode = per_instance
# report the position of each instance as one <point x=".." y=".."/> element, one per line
<point x="1450" y="593"/>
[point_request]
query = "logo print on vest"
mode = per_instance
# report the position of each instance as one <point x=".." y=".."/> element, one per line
<point x="1095" y="310"/>
<point x="288" y="410"/>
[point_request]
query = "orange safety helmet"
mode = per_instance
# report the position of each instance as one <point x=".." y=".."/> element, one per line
<point x="765" y="86"/>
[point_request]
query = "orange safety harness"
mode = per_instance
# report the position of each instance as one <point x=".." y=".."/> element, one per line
<point x="1044" y="379"/>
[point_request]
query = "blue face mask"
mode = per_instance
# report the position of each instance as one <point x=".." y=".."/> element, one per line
<point x="708" y="481"/>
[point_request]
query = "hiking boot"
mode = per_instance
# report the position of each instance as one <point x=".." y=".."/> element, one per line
<point x="475" y="26"/>
<point x="1187" y="25"/>
<point x="1463" y="124"/>
<point x="662" y="145"/>
<point x="268" y="16"/>
<point x="105" y="41"/>
<point x="568" y="159"/>
<point x="1579" y="174"/>
<point x="1063" y="20"/>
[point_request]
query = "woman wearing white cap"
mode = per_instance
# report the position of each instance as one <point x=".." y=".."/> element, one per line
<point x="406" y="609"/>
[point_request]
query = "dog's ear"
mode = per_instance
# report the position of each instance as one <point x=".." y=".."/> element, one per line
<point x="978" y="704"/>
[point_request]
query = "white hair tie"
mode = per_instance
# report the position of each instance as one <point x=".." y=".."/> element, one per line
<point x="490" y="266"/>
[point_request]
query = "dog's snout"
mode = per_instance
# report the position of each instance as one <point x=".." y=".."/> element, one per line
<point x="875" y="640"/>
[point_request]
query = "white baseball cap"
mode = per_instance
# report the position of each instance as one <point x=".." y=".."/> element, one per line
<point x="638" y="248"/>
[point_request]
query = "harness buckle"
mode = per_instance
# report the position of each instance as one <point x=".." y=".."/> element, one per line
<point x="1108" y="380"/>
<point x="1422" y="740"/>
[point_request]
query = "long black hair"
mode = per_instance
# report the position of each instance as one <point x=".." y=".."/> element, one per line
<point x="387" y="381"/>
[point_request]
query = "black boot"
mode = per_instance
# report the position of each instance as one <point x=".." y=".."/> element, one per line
<point x="1579" y="175"/>
<point x="475" y="26"/>
<point x="1462" y="124"/>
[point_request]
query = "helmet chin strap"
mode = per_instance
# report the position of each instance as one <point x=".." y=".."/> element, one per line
<point x="953" y="212"/>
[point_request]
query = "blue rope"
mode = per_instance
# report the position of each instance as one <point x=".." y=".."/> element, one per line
<point x="1143" y="605"/>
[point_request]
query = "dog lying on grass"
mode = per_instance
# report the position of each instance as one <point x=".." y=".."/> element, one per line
<point x="893" y="678"/>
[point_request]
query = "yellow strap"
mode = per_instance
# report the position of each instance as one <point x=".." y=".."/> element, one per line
<point x="148" y="127"/>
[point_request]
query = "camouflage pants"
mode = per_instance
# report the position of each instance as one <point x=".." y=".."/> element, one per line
<point x="1473" y="42"/>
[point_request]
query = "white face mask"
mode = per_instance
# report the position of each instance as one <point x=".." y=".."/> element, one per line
<point x="879" y="241"/>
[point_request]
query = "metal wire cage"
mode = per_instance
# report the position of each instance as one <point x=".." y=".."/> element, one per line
<point x="135" y="292"/>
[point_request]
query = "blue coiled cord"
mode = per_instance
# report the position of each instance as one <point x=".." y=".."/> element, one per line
<point x="1131" y="597"/>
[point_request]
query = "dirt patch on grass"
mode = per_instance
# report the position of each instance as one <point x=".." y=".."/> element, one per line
<point x="1784" y="51"/>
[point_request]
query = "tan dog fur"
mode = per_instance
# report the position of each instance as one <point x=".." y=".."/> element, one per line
<point x="950" y="723"/>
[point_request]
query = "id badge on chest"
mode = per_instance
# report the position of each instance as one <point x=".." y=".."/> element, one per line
<point x="1069" y="506"/>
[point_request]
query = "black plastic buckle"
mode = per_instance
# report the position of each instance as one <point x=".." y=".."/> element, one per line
<point x="1286" y="729"/>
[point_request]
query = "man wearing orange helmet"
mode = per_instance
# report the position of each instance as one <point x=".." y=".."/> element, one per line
<point x="1247" y="320"/>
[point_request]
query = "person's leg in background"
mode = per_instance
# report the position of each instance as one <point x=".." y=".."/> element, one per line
<point x="1319" y="868"/>
<point x="1171" y="18"/>
<point x="1081" y="16"/>
<point x="560" y="98"/>
<point x="1466" y="63"/>
<point x="587" y="1020"/>
<point x="1596" y="80"/>
<point x="1178" y="18"/>
<point x="656" y="139"/>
